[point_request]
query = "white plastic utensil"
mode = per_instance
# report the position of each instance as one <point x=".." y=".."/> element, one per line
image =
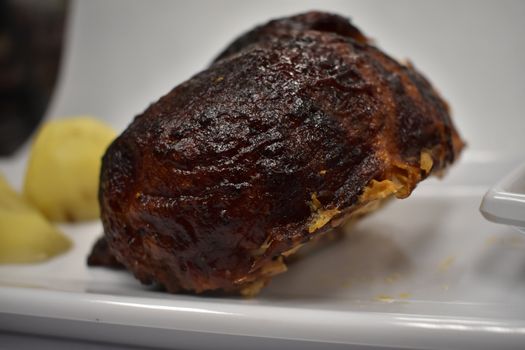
<point x="505" y="202"/>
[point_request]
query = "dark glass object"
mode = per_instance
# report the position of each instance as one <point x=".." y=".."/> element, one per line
<point x="31" y="33"/>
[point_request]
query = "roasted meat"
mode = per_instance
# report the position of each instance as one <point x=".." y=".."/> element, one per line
<point x="297" y="127"/>
<point x="101" y="256"/>
<point x="285" y="27"/>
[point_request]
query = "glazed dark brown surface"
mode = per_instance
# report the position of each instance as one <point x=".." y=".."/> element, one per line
<point x="286" y="27"/>
<point x="214" y="182"/>
<point x="101" y="256"/>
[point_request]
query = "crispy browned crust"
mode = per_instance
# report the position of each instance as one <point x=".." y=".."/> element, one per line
<point x="283" y="27"/>
<point x="101" y="256"/>
<point x="266" y="149"/>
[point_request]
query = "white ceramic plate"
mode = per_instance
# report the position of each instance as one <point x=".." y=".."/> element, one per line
<point x="505" y="202"/>
<point x="426" y="272"/>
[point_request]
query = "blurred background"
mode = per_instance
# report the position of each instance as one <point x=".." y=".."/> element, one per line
<point x="31" y="38"/>
<point x="116" y="57"/>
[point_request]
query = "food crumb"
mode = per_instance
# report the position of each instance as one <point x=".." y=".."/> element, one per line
<point x="446" y="264"/>
<point x="492" y="240"/>
<point x="385" y="298"/>
<point x="392" y="278"/>
<point x="404" y="295"/>
<point x="505" y="241"/>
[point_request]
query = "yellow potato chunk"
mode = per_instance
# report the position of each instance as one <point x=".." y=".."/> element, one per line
<point x="25" y="235"/>
<point x="64" y="165"/>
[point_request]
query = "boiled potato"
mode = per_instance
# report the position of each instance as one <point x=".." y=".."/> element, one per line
<point x="25" y="235"/>
<point x="63" y="170"/>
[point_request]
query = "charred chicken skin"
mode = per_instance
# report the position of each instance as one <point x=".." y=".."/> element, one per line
<point x="298" y="126"/>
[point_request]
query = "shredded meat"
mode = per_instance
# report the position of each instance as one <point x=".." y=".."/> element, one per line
<point x="298" y="126"/>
